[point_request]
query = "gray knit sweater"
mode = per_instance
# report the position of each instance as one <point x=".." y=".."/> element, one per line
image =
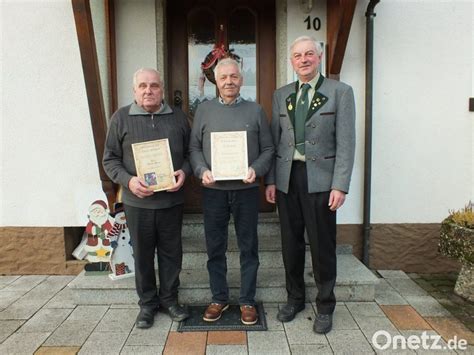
<point x="212" y="116"/>
<point x="131" y="124"/>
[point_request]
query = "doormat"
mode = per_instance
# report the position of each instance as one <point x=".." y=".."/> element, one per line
<point x="230" y="320"/>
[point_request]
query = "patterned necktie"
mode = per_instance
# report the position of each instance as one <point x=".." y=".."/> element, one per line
<point x="300" y="117"/>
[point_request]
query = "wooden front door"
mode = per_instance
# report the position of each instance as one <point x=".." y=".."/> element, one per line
<point x="247" y="29"/>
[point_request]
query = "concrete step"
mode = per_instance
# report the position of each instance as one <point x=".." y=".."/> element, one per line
<point x="354" y="283"/>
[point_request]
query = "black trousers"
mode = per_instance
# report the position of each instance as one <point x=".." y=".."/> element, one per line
<point x="156" y="230"/>
<point x="298" y="210"/>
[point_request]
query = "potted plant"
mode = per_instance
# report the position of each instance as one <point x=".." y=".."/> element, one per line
<point x="457" y="241"/>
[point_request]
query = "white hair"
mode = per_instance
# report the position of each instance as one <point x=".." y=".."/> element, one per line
<point x="227" y="61"/>
<point x="317" y="45"/>
<point x="147" y="70"/>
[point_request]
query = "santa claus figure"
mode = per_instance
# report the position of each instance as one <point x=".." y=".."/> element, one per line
<point x="98" y="245"/>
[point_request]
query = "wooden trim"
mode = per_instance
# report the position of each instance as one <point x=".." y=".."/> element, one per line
<point x="111" y="54"/>
<point x="90" y="67"/>
<point x="339" y="16"/>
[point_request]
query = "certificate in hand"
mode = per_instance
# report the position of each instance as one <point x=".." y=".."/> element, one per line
<point x="229" y="155"/>
<point x="154" y="164"/>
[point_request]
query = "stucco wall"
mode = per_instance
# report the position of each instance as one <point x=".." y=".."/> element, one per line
<point x="135" y="25"/>
<point x="49" y="169"/>
<point x="423" y="132"/>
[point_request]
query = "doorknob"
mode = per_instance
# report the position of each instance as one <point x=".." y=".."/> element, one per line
<point x="178" y="98"/>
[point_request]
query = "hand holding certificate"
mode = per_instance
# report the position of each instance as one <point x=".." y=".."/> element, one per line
<point x="154" y="164"/>
<point x="229" y="155"/>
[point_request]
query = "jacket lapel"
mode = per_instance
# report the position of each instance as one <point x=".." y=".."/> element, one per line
<point x="291" y="105"/>
<point x="318" y="101"/>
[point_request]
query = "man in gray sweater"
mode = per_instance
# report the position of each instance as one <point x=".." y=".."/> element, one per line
<point x="240" y="198"/>
<point x="154" y="218"/>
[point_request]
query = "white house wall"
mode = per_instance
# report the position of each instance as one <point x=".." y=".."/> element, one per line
<point x="422" y="130"/>
<point x="49" y="169"/>
<point x="136" y="42"/>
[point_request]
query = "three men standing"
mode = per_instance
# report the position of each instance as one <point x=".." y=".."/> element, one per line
<point x="154" y="219"/>
<point x="313" y="128"/>
<point x="221" y="199"/>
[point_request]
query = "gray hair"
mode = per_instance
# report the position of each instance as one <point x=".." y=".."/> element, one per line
<point x="149" y="70"/>
<point x="317" y="45"/>
<point x="227" y="61"/>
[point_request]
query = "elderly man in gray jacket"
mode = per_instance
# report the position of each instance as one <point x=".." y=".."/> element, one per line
<point x="227" y="113"/>
<point x="313" y="128"/>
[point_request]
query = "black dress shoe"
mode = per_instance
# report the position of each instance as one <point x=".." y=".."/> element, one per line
<point x="177" y="312"/>
<point x="322" y="323"/>
<point x="145" y="318"/>
<point x="288" y="312"/>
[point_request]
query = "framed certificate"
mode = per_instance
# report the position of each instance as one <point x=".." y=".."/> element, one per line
<point x="154" y="164"/>
<point x="229" y="155"/>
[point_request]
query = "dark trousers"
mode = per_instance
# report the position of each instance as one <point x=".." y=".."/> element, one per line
<point x="156" y="230"/>
<point x="298" y="210"/>
<point x="218" y="205"/>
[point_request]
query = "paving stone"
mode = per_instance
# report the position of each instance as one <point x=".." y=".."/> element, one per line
<point x="23" y="343"/>
<point x="154" y="336"/>
<point x="442" y="347"/>
<point x="6" y="280"/>
<point x="62" y="299"/>
<point x="141" y="350"/>
<point x="300" y="330"/>
<point x="427" y="306"/>
<point x="305" y="349"/>
<point x="226" y="338"/>
<point x="271" y="343"/>
<point x="71" y="333"/>
<point x="25" y="283"/>
<point x="88" y="313"/>
<point x="133" y="306"/>
<point x="104" y="343"/>
<point x="191" y="343"/>
<point x="348" y="341"/>
<point x="370" y="325"/>
<point x="364" y="309"/>
<point x="8" y="297"/>
<point x="271" y="315"/>
<point x="448" y="328"/>
<point x="342" y="318"/>
<point x="407" y="287"/>
<point x="386" y="294"/>
<point x="117" y="320"/>
<point x="57" y="350"/>
<point x="8" y="327"/>
<point x="46" y="320"/>
<point x="393" y="274"/>
<point x="226" y="349"/>
<point x="405" y="317"/>
<point x="21" y="310"/>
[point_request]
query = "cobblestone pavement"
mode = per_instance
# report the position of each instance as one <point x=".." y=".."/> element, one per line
<point x="38" y="316"/>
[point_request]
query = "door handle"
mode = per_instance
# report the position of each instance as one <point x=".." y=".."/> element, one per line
<point x="178" y="98"/>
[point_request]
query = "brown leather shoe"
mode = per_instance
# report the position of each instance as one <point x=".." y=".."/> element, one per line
<point x="248" y="314"/>
<point x="214" y="311"/>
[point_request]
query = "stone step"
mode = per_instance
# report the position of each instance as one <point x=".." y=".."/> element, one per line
<point x="354" y="283"/>
<point x="195" y="256"/>
<point x="268" y="226"/>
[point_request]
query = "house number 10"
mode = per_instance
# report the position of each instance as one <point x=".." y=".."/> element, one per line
<point x="316" y="23"/>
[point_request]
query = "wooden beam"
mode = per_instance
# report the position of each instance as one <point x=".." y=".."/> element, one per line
<point x="339" y="14"/>
<point x="90" y="68"/>
<point x="111" y="54"/>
